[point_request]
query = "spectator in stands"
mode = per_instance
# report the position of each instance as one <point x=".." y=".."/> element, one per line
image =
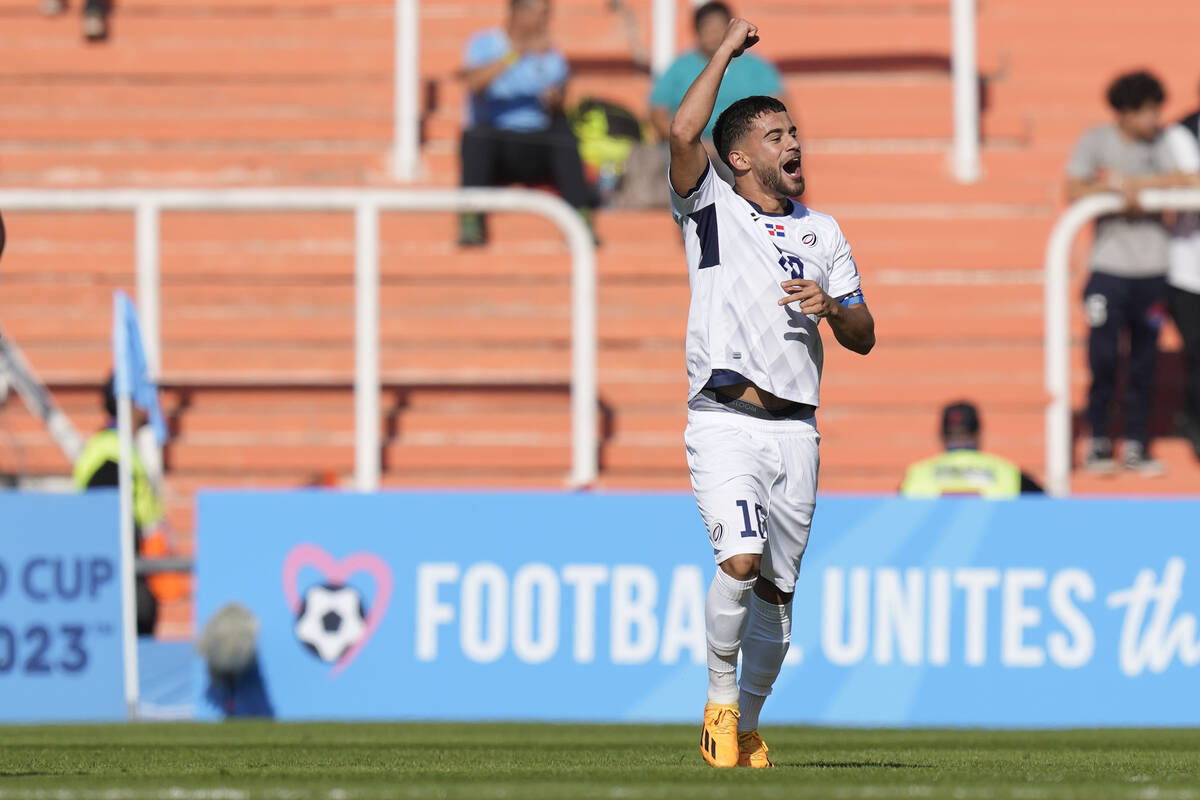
<point x="97" y="468"/>
<point x="1126" y="292"/>
<point x="1183" y="276"/>
<point x="95" y="16"/>
<point x="516" y="129"/>
<point x="747" y="75"/>
<point x="963" y="469"/>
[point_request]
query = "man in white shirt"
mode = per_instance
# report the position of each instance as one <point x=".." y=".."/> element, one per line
<point x="1183" y="275"/>
<point x="763" y="271"/>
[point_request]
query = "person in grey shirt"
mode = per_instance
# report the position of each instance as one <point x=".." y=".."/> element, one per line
<point x="1126" y="292"/>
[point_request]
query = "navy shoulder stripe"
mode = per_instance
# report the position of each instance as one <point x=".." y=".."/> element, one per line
<point x="700" y="180"/>
<point x="706" y="228"/>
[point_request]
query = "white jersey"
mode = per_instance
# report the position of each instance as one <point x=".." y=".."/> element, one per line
<point x="737" y="256"/>
<point x="1183" y="271"/>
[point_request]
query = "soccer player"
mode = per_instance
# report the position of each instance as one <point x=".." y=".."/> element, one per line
<point x="764" y="271"/>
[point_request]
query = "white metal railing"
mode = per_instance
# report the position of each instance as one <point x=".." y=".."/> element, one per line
<point x="662" y="32"/>
<point x="1058" y="315"/>
<point x="964" y="72"/>
<point x="964" y="76"/>
<point x="407" y="67"/>
<point x="148" y="204"/>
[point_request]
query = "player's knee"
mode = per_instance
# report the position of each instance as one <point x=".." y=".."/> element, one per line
<point x="768" y="591"/>
<point x="723" y="645"/>
<point x="742" y="567"/>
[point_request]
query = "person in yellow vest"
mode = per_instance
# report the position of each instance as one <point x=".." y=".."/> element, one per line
<point x="963" y="469"/>
<point x="96" y="468"/>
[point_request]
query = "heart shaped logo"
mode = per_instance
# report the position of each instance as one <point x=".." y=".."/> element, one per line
<point x="338" y="573"/>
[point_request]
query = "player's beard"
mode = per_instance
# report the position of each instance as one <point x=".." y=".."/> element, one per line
<point x="773" y="179"/>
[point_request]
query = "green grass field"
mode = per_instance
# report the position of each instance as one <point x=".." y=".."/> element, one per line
<point x="231" y="761"/>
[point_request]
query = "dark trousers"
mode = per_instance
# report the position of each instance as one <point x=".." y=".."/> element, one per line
<point x="1185" y="310"/>
<point x="147" y="607"/>
<point x="493" y="157"/>
<point x="1115" y="306"/>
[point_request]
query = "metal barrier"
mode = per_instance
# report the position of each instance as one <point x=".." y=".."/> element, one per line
<point x="964" y="69"/>
<point x="1058" y="315"/>
<point x="148" y="204"/>
<point x="155" y="566"/>
<point x="407" y="65"/>
<point x="406" y="68"/>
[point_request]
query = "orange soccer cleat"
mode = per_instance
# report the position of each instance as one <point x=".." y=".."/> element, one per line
<point x="752" y="750"/>
<point x="718" y="734"/>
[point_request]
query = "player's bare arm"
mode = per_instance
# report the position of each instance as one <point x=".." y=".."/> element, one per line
<point x="660" y="120"/>
<point x="688" y="156"/>
<point x="853" y="326"/>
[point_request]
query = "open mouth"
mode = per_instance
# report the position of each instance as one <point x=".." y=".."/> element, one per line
<point x="791" y="168"/>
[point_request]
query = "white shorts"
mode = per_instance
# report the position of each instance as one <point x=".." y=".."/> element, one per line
<point x="756" y="484"/>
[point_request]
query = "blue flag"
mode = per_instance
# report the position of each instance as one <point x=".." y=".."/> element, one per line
<point x="131" y="372"/>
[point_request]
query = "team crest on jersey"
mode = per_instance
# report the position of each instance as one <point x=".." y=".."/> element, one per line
<point x="776" y="230"/>
<point x="718" y="530"/>
<point x="809" y="239"/>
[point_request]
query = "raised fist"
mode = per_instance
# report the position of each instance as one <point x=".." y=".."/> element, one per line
<point x="740" y="36"/>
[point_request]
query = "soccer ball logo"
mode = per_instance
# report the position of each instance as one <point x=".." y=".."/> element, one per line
<point x="331" y="620"/>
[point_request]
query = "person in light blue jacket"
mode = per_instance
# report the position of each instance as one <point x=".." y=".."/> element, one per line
<point x="516" y="130"/>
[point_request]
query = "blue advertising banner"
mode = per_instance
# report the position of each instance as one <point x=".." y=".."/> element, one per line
<point x="591" y="607"/>
<point x="60" y="607"/>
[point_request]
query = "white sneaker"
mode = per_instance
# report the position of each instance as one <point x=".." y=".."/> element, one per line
<point x="1099" y="456"/>
<point x="1135" y="459"/>
<point x="52" y="8"/>
<point x="95" y="26"/>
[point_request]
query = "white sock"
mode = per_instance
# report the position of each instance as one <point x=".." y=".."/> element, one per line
<point x="725" y="612"/>
<point x="764" y="646"/>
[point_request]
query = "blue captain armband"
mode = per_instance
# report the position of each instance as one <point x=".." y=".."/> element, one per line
<point x="852" y="299"/>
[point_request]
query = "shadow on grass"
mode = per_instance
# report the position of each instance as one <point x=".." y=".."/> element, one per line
<point x="849" y="765"/>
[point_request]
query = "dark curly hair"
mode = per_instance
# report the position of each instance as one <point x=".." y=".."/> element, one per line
<point x="1134" y="90"/>
<point x="735" y="121"/>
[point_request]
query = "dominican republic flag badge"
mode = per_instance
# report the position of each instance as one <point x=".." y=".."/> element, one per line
<point x="776" y="230"/>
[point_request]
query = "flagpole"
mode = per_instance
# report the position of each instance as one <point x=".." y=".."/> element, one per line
<point x="122" y="388"/>
<point x="129" y="592"/>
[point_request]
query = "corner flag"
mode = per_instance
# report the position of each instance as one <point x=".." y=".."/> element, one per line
<point x="131" y="372"/>
<point x="131" y="384"/>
